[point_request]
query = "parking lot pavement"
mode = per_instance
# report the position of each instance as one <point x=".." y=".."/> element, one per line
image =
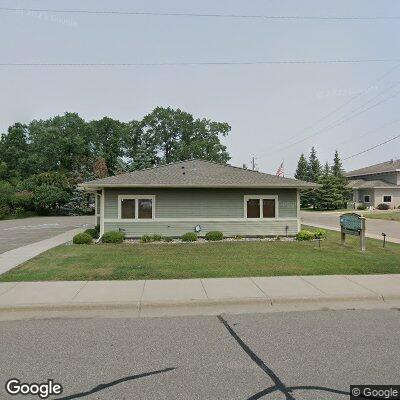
<point x="374" y="227"/>
<point x="310" y="355"/>
<point x="16" y="233"/>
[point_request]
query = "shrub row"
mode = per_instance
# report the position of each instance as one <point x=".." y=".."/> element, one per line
<point x="305" y="235"/>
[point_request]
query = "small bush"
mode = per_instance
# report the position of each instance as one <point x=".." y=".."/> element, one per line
<point x="19" y="212"/>
<point x="157" y="237"/>
<point x="214" y="236"/>
<point x="113" y="237"/>
<point x="304" y="235"/>
<point x="167" y="239"/>
<point x="4" y="211"/>
<point x="189" y="237"/>
<point x="82" y="238"/>
<point x="320" y="234"/>
<point x="361" y="207"/>
<point x="92" y="232"/>
<point x="383" y="206"/>
<point x="146" y="239"/>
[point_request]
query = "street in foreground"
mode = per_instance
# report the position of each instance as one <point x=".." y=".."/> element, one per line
<point x="294" y="355"/>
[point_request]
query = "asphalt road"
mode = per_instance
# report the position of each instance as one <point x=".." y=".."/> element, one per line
<point x="331" y="219"/>
<point x="294" y="355"/>
<point x="20" y="232"/>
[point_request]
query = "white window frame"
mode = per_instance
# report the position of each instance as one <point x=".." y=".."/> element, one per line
<point x="387" y="195"/>
<point x="137" y="197"/>
<point x="369" y="198"/>
<point x="261" y="198"/>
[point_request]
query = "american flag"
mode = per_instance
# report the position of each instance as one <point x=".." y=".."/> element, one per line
<point x="280" y="171"/>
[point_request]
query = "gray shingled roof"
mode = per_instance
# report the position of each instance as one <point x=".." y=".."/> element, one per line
<point x="364" y="184"/>
<point x="197" y="173"/>
<point x="387" y="166"/>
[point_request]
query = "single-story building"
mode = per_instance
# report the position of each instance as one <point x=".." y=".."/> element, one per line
<point x="376" y="184"/>
<point x="198" y="196"/>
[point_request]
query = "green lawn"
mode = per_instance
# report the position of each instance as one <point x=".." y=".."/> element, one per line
<point x="223" y="259"/>
<point x="388" y="215"/>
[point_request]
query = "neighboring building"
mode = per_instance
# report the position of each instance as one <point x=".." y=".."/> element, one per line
<point x="198" y="196"/>
<point x="379" y="183"/>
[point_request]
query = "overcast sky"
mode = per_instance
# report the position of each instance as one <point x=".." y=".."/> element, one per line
<point x="270" y="107"/>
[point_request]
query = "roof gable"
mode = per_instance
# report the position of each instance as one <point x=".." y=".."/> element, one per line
<point x="196" y="173"/>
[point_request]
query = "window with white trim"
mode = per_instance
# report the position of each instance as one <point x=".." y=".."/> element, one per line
<point x="136" y="207"/>
<point x="387" y="199"/>
<point x="260" y="207"/>
<point x="367" y="198"/>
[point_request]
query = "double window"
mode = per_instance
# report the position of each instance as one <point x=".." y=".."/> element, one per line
<point x="260" y="207"/>
<point x="387" y="199"/>
<point x="136" y="207"/>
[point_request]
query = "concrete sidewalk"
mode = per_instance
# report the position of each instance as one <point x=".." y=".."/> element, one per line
<point x="199" y="296"/>
<point x="15" y="257"/>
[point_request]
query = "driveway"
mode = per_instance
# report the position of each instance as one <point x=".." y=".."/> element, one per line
<point x="330" y="220"/>
<point x="20" y="232"/>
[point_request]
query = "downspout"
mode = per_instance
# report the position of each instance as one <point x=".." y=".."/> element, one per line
<point x="298" y="211"/>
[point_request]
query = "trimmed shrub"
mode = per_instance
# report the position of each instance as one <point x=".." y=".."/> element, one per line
<point x="92" y="232"/>
<point x="113" y="237"/>
<point x="361" y="207"/>
<point x="214" y="235"/>
<point x="189" y="237"/>
<point x="146" y="239"/>
<point x="304" y="235"/>
<point x="167" y="239"/>
<point x="157" y="237"/>
<point x="383" y="206"/>
<point x="320" y="234"/>
<point x="82" y="238"/>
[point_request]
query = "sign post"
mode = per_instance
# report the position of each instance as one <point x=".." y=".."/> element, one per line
<point x="353" y="224"/>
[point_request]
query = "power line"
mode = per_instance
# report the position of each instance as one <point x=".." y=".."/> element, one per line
<point x="372" y="148"/>
<point x="189" y="63"/>
<point x="350" y="100"/>
<point x="340" y="122"/>
<point x="200" y="15"/>
<point x="364" y="134"/>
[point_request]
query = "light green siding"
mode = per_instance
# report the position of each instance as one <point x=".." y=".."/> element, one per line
<point x="179" y="210"/>
<point x="229" y="228"/>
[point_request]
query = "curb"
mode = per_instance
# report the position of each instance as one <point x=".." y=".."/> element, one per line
<point x="195" y="304"/>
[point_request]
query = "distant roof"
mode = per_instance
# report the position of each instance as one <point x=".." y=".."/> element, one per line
<point x="364" y="184"/>
<point x="197" y="173"/>
<point x="387" y="166"/>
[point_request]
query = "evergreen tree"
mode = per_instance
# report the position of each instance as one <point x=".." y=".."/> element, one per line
<point x="337" y="169"/>
<point x="328" y="196"/>
<point x="302" y="169"/>
<point x="308" y="196"/>
<point x="314" y="166"/>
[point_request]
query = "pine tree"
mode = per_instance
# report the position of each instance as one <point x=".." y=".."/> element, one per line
<point x="308" y="196"/>
<point x="314" y="166"/>
<point x="337" y="169"/>
<point x="302" y="169"/>
<point x="338" y="173"/>
<point x="328" y="196"/>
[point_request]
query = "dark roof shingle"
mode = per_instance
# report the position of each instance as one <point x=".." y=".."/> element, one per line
<point x="387" y="166"/>
<point x="197" y="173"/>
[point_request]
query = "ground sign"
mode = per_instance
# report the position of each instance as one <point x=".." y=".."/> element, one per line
<point x="353" y="224"/>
